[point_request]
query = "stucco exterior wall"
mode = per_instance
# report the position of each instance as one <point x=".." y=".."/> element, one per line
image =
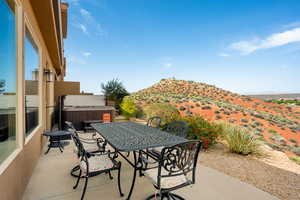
<point x="17" y="169"/>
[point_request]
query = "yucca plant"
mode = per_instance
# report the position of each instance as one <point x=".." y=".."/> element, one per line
<point x="114" y="90"/>
<point x="240" y="141"/>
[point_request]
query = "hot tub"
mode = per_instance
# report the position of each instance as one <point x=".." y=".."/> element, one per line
<point x="80" y="108"/>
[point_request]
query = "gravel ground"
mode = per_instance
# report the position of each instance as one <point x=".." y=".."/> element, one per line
<point x="273" y="173"/>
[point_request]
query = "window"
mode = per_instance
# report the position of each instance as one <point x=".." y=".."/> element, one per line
<point x="31" y="68"/>
<point x="7" y="79"/>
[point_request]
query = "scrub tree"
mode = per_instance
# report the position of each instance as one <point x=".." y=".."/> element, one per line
<point x="2" y="86"/>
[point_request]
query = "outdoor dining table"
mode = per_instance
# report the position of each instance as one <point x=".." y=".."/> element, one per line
<point x="134" y="137"/>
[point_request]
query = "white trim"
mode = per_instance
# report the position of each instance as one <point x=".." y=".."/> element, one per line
<point x="6" y="163"/>
<point x="28" y="26"/>
<point x="19" y="59"/>
<point x="33" y="133"/>
<point x="20" y="74"/>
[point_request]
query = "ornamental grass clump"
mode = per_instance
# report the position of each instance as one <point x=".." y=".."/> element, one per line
<point x="240" y="141"/>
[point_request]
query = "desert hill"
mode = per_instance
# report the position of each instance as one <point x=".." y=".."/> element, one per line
<point x="277" y="125"/>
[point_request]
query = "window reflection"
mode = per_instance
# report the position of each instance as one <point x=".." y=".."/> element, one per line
<point x="7" y="79"/>
<point x="31" y="83"/>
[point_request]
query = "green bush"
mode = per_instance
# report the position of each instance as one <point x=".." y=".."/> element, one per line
<point x="240" y="141"/>
<point x="199" y="128"/>
<point x="164" y="110"/>
<point x="128" y="108"/>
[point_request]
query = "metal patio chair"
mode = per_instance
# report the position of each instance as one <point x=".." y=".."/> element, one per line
<point x="178" y="128"/>
<point x="92" y="164"/>
<point x="176" y="169"/>
<point x="91" y="145"/>
<point x="154" y="122"/>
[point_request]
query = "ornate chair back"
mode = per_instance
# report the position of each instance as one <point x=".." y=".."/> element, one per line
<point x="179" y="160"/>
<point x="154" y="122"/>
<point x="179" y="128"/>
<point x="70" y="126"/>
<point x="80" y="149"/>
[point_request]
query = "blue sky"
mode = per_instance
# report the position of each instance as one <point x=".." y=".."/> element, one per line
<point x="8" y="51"/>
<point x="7" y="48"/>
<point x="243" y="46"/>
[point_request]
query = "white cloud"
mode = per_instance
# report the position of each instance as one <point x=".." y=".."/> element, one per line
<point x="86" y="54"/>
<point x="89" y="21"/>
<point x="274" y="40"/>
<point x="76" y="60"/>
<point x="167" y="65"/>
<point x="224" y="55"/>
<point x="83" y="29"/>
<point x="86" y="15"/>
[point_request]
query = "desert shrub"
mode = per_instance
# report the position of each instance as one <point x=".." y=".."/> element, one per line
<point x="217" y="112"/>
<point x="295" y="159"/>
<point x="261" y="138"/>
<point x="244" y="120"/>
<point x="206" y="108"/>
<point x="272" y="138"/>
<point x="164" y="110"/>
<point x="253" y="125"/>
<point x="241" y="141"/>
<point x="259" y="129"/>
<point x="128" y="108"/>
<point x="272" y="131"/>
<point x="182" y="108"/>
<point x="275" y="146"/>
<point x="293" y="140"/>
<point x="218" y="117"/>
<point x="226" y="113"/>
<point x="257" y="133"/>
<point x="296" y="150"/>
<point x="258" y="123"/>
<point x="232" y="120"/>
<point x="199" y="128"/>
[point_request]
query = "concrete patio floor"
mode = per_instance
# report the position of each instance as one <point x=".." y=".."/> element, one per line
<point x="51" y="180"/>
